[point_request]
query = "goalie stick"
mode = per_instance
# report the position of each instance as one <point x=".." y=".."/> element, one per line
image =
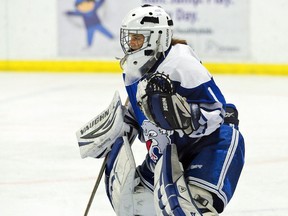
<point x="100" y="174"/>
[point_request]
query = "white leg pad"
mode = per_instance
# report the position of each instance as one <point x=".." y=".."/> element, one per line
<point x="127" y="198"/>
<point x="171" y="193"/>
<point x="143" y="202"/>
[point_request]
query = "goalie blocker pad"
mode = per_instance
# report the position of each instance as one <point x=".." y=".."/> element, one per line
<point x="97" y="136"/>
<point x="171" y="194"/>
<point x="126" y="196"/>
<point x="168" y="111"/>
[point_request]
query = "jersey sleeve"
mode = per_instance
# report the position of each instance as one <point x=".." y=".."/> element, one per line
<point x="194" y="82"/>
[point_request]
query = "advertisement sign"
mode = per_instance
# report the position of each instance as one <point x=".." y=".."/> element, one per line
<point x="216" y="29"/>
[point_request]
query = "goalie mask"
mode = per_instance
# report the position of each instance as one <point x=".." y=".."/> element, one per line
<point x="145" y="33"/>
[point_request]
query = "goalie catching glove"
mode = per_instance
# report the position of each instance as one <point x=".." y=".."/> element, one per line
<point x="158" y="100"/>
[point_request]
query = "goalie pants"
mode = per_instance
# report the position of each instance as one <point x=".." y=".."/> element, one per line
<point x="214" y="163"/>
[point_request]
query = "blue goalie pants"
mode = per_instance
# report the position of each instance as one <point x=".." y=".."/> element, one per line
<point x="214" y="163"/>
<point x="217" y="167"/>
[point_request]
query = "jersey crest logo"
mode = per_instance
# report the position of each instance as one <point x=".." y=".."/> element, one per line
<point x="156" y="139"/>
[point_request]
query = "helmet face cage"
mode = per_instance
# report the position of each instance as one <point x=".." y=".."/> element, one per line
<point x="155" y="29"/>
<point x="153" y="23"/>
<point x="125" y="40"/>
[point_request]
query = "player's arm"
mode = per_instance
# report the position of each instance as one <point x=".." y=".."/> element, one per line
<point x="73" y="13"/>
<point x="160" y="103"/>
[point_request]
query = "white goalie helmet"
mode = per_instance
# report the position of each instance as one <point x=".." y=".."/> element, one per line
<point x="154" y="25"/>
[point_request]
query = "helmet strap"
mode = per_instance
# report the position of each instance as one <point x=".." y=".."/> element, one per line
<point x="123" y="60"/>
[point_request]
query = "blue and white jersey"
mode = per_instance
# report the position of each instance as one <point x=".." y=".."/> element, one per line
<point x="192" y="81"/>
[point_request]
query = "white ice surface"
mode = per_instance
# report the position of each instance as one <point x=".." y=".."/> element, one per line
<point x="41" y="172"/>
